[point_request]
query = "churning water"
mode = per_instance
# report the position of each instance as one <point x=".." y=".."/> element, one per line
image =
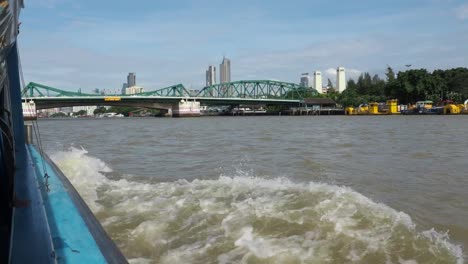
<point x="272" y="189"/>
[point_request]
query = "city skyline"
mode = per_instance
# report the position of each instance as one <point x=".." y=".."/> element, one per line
<point x="305" y="79"/>
<point x="71" y="45"/>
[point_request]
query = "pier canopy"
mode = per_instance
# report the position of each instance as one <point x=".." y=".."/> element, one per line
<point x="321" y="102"/>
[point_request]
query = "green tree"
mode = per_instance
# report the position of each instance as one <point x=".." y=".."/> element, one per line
<point x="301" y="93"/>
<point x="348" y="97"/>
<point x="364" y="83"/>
<point x="417" y="83"/>
<point x="390" y="74"/>
<point x="377" y="86"/>
<point x="351" y="85"/>
<point x="457" y="82"/>
<point x="80" y="113"/>
<point x="406" y="86"/>
<point x="99" y="110"/>
<point x="59" y="114"/>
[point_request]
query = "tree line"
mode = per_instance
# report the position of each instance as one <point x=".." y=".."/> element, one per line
<point x="124" y="110"/>
<point x="406" y="86"/>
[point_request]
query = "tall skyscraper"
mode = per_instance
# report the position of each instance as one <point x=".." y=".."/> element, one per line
<point x="124" y="86"/>
<point x="340" y="80"/>
<point x="318" y="81"/>
<point x="131" y="79"/>
<point x="225" y="71"/>
<point x="305" y="80"/>
<point x="211" y="75"/>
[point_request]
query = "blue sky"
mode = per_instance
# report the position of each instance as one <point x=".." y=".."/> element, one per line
<point x="94" y="44"/>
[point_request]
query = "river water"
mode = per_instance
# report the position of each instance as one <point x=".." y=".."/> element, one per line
<point x="334" y="189"/>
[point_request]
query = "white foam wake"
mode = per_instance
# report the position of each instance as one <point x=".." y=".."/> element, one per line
<point x="246" y="219"/>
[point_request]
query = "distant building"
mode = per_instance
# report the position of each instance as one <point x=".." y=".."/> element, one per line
<point x="124" y="86"/>
<point x="340" y="80"/>
<point x="89" y="109"/>
<point x="67" y="110"/>
<point x="318" y="81"/>
<point x="134" y="90"/>
<point x="211" y="76"/>
<point x="225" y="71"/>
<point x="225" y="76"/>
<point x="305" y="80"/>
<point x="131" y="79"/>
<point x="130" y="87"/>
<point x="48" y="112"/>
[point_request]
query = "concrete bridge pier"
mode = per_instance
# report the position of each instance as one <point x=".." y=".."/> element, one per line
<point x="183" y="108"/>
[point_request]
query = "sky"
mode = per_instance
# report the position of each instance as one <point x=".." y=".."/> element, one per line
<point x="87" y="44"/>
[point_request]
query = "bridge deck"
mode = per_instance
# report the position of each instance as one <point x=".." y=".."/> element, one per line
<point x="149" y="101"/>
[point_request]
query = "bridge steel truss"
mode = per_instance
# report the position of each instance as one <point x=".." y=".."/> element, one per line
<point x="35" y="89"/>
<point x="257" y="89"/>
<point x="177" y="90"/>
<point x="40" y="90"/>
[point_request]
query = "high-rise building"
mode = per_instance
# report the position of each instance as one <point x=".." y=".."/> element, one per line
<point x="131" y="79"/>
<point x="211" y="75"/>
<point x="124" y="86"/>
<point x="340" y="79"/>
<point x="318" y="81"/>
<point x="305" y="80"/>
<point x="225" y="71"/>
<point x="134" y="90"/>
<point x="225" y="77"/>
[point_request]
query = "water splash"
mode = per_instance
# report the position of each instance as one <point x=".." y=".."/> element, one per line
<point x="245" y="219"/>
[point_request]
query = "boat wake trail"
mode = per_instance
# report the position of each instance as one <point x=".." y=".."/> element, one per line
<point x="241" y="219"/>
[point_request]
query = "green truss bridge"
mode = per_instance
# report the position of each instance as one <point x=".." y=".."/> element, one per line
<point x="252" y="92"/>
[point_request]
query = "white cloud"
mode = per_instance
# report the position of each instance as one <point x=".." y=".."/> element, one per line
<point x="331" y="72"/>
<point x="462" y="12"/>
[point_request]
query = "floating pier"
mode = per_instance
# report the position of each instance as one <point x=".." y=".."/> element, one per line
<point x="391" y="107"/>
